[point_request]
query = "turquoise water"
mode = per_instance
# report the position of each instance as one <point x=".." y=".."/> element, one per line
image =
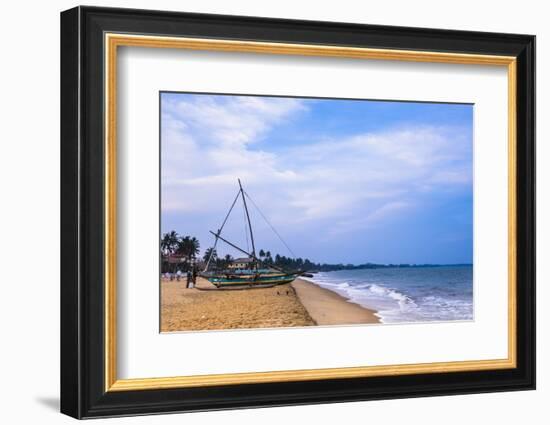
<point x="406" y="294"/>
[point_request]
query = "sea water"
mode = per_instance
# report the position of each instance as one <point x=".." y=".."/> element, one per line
<point x="406" y="294"/>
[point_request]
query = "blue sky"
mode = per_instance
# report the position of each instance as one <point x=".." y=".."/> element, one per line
<point x="349" y="181"/>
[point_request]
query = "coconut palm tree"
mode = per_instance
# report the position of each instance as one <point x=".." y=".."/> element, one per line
<point x="194" y="247"/>
<point x="183" y="246"/>
<point x="225" y="261"/>
<point x="169" y="242"/>
<point x="188" y="247"/>
<point x="210" y="254"/>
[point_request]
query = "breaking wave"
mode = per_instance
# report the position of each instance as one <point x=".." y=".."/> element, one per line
<point x="398" y="296"/>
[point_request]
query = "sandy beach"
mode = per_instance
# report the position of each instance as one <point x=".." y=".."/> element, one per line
<point x="328" y="308"/>
<point x="299" y="304"/>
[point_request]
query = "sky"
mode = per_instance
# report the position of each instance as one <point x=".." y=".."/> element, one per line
<point x="341" y="180"/>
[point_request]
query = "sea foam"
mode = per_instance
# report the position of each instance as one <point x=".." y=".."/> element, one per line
<point x="406" y="295"/>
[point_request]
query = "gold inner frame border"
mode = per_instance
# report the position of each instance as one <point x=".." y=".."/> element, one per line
<point x="113" y="40"/>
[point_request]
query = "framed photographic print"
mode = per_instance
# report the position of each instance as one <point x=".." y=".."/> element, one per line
<point x="261" y="212"/>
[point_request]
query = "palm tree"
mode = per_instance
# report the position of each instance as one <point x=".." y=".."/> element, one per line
<point x="194" y="247"/>
<point x="164" y="243"/>
<point x="188" y="247"/>
<point x="261" y="253"/>
<point x="228" y="259"/>
<point x="169" y="242"/>
<point x="210" y="254"/>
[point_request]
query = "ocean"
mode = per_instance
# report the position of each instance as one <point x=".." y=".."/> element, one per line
<point x="401" y="295"/>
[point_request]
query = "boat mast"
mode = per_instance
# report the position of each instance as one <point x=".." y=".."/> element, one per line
<point x="248" y="218"/>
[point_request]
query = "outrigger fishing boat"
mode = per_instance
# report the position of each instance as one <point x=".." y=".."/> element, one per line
<point x="255" y="274"/>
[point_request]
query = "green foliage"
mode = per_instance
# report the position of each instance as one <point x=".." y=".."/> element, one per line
<point x="172" y="244"/>
<point x="188" y="248"/>
<point x="210" y="254"/>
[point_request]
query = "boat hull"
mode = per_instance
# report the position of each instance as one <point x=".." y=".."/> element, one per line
<point x="252" y="281"/>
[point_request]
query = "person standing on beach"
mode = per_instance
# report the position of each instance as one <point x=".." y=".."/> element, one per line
<point x="194" y="278"/>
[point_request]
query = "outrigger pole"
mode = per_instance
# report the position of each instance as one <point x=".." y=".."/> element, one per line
<point x="217" y="235"/>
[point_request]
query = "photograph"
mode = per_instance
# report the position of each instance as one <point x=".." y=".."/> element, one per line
<point x="298" y="211"/>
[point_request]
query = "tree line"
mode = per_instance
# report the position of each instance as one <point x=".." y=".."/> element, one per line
<point x="182" y="252"/>
<point x="186" y="249"/>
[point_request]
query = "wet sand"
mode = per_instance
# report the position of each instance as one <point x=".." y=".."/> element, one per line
<point x="328" y="308"/>
<point x="299" y="304"/>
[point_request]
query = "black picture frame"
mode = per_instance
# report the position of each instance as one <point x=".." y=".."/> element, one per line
<point x="83" y="392"/>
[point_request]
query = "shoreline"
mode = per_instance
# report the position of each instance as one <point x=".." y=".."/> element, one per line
<point x="298" y="304"/>
<point x="326" y="307"/>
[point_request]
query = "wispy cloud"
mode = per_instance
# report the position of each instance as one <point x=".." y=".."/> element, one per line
<point x="231" y="121"/>
<point x="343" y="183"/>
<point x="207" y="142"/>
<point x="386" y="211"/>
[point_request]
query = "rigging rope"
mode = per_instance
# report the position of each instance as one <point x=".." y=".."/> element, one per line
<point x="270" y="225"/>
<point x="245" y="230"/>
<point x="217" y="235"/>
<point x="220" y="230"/>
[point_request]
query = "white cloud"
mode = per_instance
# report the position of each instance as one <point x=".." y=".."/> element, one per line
<point x="206" y="146"/>
<point x="231" y="121"/>
<point x="349" y="183"/>
<point x="384" y="212"/>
